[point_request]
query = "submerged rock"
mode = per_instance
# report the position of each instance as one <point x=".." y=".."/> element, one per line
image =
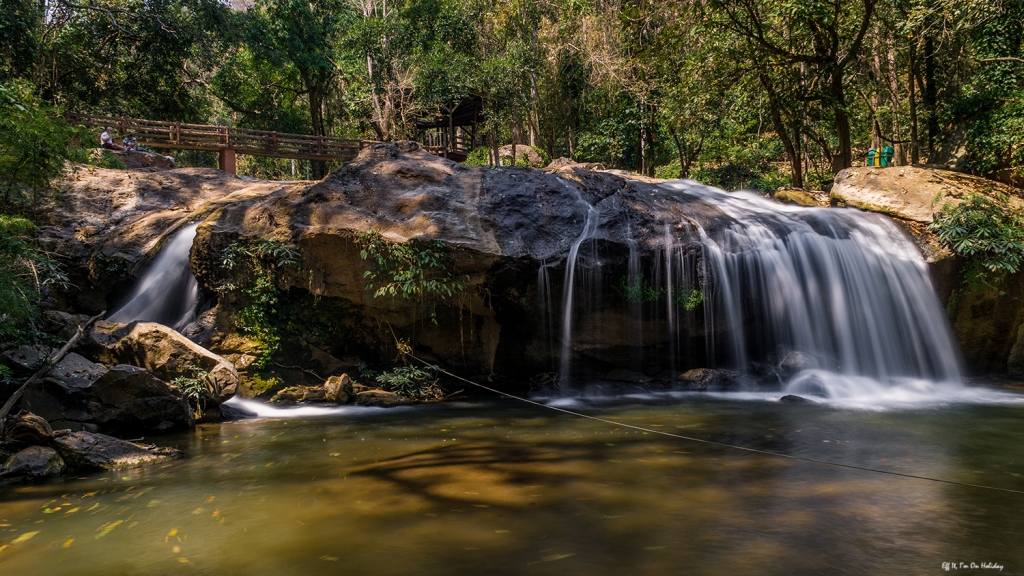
<point x="32" y="464"/>
<point x="794" y="399"/>
<point x="89" y="451"/>
<point x="702" y="379"/>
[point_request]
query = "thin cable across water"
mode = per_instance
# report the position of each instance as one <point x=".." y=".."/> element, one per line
<point x="712" y="442"/>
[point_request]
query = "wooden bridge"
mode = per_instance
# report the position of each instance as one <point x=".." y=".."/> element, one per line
<point x="228" y="141"/>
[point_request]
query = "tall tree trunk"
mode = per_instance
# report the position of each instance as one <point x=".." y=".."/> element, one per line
<point x="845" y="157"/>
<point x="915" y="147"/>
<point x="930" y="87"/>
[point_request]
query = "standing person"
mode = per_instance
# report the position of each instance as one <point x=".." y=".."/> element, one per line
<point x="107" y="142"/>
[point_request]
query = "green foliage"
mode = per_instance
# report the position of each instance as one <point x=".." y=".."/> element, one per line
<point x="690" y="300"/>
<point x="196" y="388"/>
<point x="409" y="270"/>
<point x="479" y="157"/>
<point x="411" y="382"/>
<point x="637" y="290"/>
<point x="33" y="148"/>
<point x="25" y="274"/>
<point x="253" y="267"/>
<point x="985" y="231"/>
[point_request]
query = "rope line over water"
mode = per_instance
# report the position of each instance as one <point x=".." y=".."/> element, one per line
<point x="712" y="442"/>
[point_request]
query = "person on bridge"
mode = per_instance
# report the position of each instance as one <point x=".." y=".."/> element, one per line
<point x="107" y="142"/>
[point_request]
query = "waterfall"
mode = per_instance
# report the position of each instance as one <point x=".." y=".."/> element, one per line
<point x="168" y="292"/>
<point x="846" y="289"/>
<point x="589" y="229"/>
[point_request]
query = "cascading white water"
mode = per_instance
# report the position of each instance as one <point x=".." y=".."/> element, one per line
<point x="168" y="292"/>
<point x="589" y="228"/>
<point x="845" y="288"/>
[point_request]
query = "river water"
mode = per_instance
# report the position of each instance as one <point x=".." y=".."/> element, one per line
<point x="497" y="487"/>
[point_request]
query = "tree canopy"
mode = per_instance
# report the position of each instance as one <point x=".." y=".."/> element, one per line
<point x="757" y="93"/>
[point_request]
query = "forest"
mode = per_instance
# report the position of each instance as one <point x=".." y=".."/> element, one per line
<point x="735" y="93"/>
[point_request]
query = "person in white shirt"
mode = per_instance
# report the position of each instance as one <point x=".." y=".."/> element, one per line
<point x="107" y="142"/>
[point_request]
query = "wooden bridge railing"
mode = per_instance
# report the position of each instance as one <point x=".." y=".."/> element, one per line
<point x="182" y="136"/>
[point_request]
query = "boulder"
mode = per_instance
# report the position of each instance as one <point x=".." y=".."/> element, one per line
<point x="524" y="153"/>
<point x="32" y="464"/>
<point x="85" y="451"/>
<point x="294" y="394"/>
<point x="82" y="395"/>
<point x="702" y="379"/>
<point x="380" y="398"/>
<point x="27" y="429"/>
<point x="797" y="197"/>
<point x="140" y="159"/>
<point x="338" y="389"/>
<point x="62" y="324"/>
<point x="562" y="163"/>
<point x="794" y="399"/>
<point x="795" y="362"/>
<point x="162" y="351"/>
<point x="911" y="193"/>
<point x="26" y="360"/>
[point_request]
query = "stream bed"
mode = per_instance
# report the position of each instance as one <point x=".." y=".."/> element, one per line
<point x="498" y="487"/>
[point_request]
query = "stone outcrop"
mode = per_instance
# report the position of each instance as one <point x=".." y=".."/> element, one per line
<point x="27" y="429"/>
<point x="162" y="351"/>
<point x="31" y="465"/>
<point x="501" y="225"/>
<point x="107" y="224"/>
<point x="911" y="193"/>
<point x="338" y="389"/>
<point x="83" y="395"/>
<point x="524" y="154"/>
<point x="86" y="451"/>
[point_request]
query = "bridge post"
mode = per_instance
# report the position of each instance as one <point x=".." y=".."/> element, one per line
<point x="226" y="160"/>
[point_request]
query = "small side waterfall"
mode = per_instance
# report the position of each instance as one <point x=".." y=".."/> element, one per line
<point x="168" y="292"/>
<point x="589" y="228"/>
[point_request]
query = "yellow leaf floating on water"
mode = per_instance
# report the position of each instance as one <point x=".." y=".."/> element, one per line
<point x="25" y="537"/>
<point x="210" y="499"/>
<point x="67" y="543"/>
<point x="93" y="507"/>
<point x="171" y="534"/>
<point x="183" y="560"/>
<point x="176" y="549"/>
<point x="106" y="528"/>
<point x="198" y="511"/>
<point x="329" y="558"/>
<point x="152" y="503"/>
<point x="73" y="510"/>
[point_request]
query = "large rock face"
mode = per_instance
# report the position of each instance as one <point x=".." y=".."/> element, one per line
<point x="504" y="225"/>
<point x="107" y="224"/>
<point x="911" y="193"/>
<point x="82" y="395"/>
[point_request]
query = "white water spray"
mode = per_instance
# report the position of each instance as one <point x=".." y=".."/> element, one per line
<point x="168" y="292"/>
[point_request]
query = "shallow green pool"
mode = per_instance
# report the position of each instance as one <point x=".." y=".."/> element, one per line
<point x="499" y="488"/>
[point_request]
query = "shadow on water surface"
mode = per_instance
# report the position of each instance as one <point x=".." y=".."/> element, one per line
<point x="493" y="489"/>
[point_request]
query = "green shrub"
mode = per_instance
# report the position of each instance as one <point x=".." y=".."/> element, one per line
<point x="636" y="289"/>
<point x="196" y="388"/>
<point x="411" y="382"/>
<point x="988" y="232"/>
<point x="479" y="157"/>
<point x="253" y="266"/>
<point x="33" y="148"/>
<point x="410" y="270"/>
<point x="25" y="275"/>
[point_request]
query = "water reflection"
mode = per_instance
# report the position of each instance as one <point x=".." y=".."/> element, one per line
<point x="500" y="489"/>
